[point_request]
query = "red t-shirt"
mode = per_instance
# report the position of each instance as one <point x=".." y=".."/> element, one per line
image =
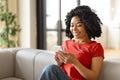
<point x="84" y="53"/>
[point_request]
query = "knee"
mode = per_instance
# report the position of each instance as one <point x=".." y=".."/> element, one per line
<point x="50" y="68"/>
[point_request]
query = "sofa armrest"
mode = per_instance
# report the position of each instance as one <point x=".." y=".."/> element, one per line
<point x="7" y="63"/>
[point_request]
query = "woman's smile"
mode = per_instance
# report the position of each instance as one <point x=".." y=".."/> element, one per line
<point x="76" y="33"/>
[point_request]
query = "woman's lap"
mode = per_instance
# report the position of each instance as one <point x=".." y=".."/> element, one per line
<point x="53" y="72"/>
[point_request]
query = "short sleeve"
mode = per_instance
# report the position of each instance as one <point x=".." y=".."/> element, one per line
<point x="98" y="50"/>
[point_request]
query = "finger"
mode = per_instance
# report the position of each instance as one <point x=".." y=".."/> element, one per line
<point x="61" y="57"/>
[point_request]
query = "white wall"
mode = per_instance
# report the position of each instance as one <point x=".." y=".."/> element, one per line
<point x="114" y="26"/>
<point x="103" y="39"/>
<point x="27" y="19"/>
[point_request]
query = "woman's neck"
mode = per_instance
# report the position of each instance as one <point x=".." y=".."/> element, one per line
<point x="83" y="40"/>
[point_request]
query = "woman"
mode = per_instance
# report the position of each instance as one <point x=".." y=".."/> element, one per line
<point x="82" y="57"/>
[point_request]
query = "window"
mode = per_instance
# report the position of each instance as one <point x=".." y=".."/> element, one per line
<point x="53" y="31"/>
<point x="51" y="26"/>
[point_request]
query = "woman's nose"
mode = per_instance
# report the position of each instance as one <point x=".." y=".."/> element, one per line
<point x="74" y="28"/>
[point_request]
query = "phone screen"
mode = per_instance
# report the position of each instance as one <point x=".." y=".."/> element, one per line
<point x="58" y="48"/>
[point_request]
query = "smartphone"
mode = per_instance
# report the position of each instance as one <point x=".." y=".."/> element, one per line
<point x="58" y="48"/>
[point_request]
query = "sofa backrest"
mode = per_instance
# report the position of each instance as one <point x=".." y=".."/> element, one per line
<point x="110" y="70"/>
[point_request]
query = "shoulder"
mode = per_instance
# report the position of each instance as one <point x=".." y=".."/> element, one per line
<point x="66" y="43"/>
<point x="97" y="49"/>
<point x="95" y="44"/>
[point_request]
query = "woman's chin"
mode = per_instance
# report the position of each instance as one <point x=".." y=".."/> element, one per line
<point x="76" y="37"/>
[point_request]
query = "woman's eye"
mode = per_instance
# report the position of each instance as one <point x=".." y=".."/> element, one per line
<point x="71" y="25"/>
<point x="79" y="25"/>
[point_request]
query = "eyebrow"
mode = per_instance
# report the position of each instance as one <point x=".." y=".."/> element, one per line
<point x="77" y="23"/>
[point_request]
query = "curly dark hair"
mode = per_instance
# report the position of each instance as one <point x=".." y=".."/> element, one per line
<point x="88" y="17"/>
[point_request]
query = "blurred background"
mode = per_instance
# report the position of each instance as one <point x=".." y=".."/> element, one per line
<point x="42" y="22"/>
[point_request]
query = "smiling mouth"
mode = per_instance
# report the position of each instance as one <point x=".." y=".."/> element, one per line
<point x="76" y="34"/>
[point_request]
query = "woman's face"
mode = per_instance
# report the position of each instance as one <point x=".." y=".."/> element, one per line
<point x="77" y="28"/>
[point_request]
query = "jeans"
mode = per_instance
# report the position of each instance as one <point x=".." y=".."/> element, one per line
<point x="53" y="72"/>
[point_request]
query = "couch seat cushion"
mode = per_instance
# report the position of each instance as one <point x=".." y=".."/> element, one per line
<point x="11" y="78"/>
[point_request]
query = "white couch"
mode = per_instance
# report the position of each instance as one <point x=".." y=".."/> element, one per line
<point x="27" y="64"/>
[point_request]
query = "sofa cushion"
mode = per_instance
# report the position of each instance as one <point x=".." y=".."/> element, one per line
<point x="25" y="60"/>
<point x="42" y="59"/>
<point x="11" y="78"/>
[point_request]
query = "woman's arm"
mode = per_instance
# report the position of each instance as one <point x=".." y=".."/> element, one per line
<point x="88" y="74"/>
